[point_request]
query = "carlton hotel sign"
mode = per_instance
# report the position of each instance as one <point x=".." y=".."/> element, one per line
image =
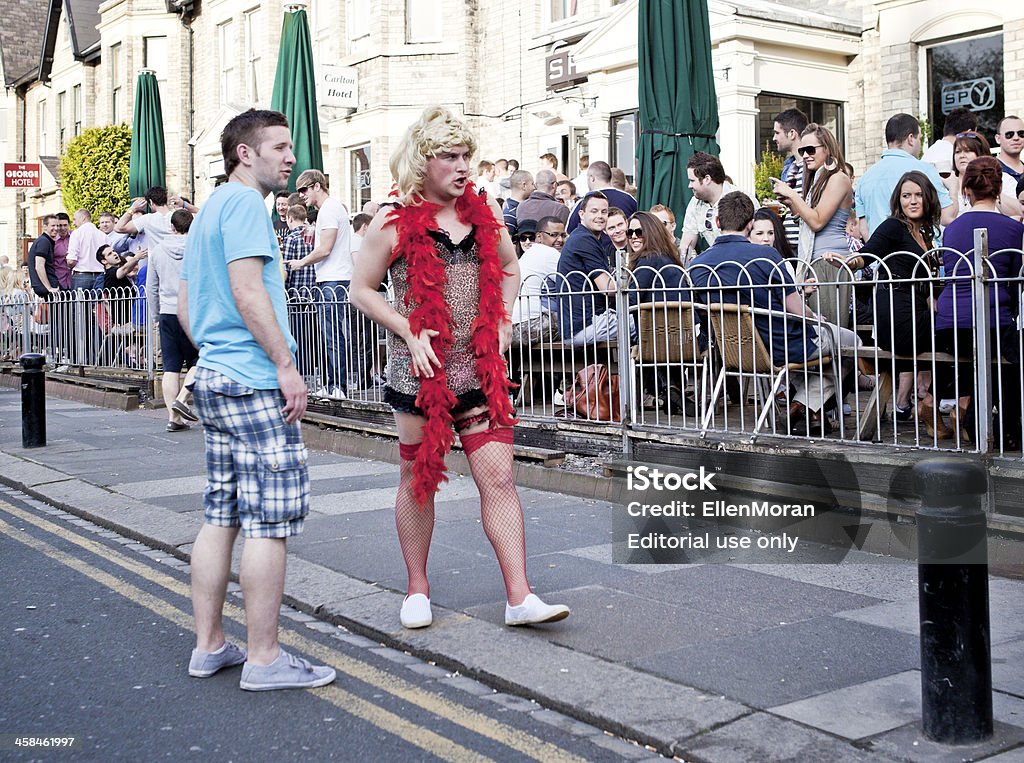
<point x="337" y="86"/>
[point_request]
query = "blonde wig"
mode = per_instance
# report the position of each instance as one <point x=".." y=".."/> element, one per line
<point x="436" y="131"/>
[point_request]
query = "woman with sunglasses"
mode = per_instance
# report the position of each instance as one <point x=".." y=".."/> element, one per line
<point x="823" y="207"/>
<point x="653" y="259"/>
<point x="526" y="234"/>
<point x="968" y="147"/>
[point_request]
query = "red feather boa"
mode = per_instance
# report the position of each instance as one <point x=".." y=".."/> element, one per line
<point x="427" y="279"/>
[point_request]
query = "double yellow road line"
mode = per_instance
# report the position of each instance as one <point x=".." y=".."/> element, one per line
<point x="519" y="741"/>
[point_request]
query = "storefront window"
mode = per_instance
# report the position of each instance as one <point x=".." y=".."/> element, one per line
<point x="623" y="140"/>
<point x="359" y="169"/>
<point x="825" y="113"/>
<point x="968" y="74"/>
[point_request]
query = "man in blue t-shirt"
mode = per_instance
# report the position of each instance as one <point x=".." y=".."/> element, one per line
<point x="734" y="270"/>
<point x="903" y="135"/>
<point x="599" y="178"/>
<point x="250" y="398"/>
<point x="584" y="269"/>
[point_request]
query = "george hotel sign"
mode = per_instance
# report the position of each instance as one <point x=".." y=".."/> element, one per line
<point x="21" y="175"/>
<point x="338" y="86"/>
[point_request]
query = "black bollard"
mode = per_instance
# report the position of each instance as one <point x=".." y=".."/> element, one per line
<point x="952" y="546"/>
<point x="33" y="400"/>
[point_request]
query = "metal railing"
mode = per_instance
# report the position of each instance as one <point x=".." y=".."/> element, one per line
<point x="723" y="350"/>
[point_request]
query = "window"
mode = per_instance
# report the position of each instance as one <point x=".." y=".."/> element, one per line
<point x="76" y="110"/>
<point x="825" y="113"/>
<point x="116" y="83"/>
<point x="423" y="21"/>
<point x="44" y="139"/>
<point x="968" y="74"/>
<point x="228" y="65"/>
<point x="359" y="172"/>
<point x="623" y="144"/>
<point x="154" y="56"/>
<point x="252" y="56"/>
<point x="357" y="24"/>
<point x="562" y="9"/>
<point x="62" y="121"/>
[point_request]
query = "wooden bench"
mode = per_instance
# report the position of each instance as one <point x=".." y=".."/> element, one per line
<point x="879" y="362"/>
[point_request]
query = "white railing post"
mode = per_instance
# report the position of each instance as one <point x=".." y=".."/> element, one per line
<point x="982" y="343"/>
<point x="622" y="325"/>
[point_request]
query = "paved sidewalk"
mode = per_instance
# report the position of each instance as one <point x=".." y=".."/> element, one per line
<point x="713" y="662"/>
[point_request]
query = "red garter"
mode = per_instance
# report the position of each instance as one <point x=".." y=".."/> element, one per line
<point x="427" y="279"/>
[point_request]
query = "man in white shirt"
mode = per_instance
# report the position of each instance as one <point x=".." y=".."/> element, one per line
<point x="485" y="180"/>
<point x="86" y="240"/>
<point x="156" y="226"/>
<point x="532" y="322"/>
<point x="708" y="183"/>
<point x="940" y="153"/>
<point x="332" y="258"/>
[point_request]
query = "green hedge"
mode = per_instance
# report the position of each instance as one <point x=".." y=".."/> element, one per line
<point x="94" y="170"/>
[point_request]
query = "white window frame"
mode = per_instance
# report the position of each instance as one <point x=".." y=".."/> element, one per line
<point x="77" y="111"/>
<point x="424" y="21"/>
<point x="44" y="136"/>
<point x="357" y="25"/>
<point x="253" y="57"/>
<point x="154" y="58"/>
<point x="227" y="49"/>
<point x="116" y="82"/>
<point x="569" y="11"/>
<point x="62" y="121"/>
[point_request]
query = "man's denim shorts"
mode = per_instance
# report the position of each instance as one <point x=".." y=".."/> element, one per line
<point x="255" y="462"/>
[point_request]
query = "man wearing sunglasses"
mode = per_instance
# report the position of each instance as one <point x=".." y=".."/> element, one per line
<point x="903" y="136"/>
<point x="1010" y="138"/>
<point x="532" y="322"/>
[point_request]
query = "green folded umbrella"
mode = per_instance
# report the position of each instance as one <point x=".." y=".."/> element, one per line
<point x="295" y="93"/>
<point x="148" y="164"/>
<point x="678" y="104"/>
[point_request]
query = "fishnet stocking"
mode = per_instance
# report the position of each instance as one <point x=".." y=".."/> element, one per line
<point x="500" y="511"/>
<point x="415" y="527"/>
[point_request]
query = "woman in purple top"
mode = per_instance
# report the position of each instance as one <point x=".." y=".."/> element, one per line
<point x="954" y="312"/>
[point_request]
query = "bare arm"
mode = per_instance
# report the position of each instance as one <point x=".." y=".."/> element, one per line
<point x="863" y="223"/>
<point x="131" y="262"/>
<point x="41" y="272"/>
<point x="327" y="238"/>
<point x="125" y="224"/>
<point x="183" y="309"/>
<point x="253" y="302"/>
<point x="949" y="213"/>
<point x="510" y="282"/>
<point x="686" y="245"/>
<point x="374" y="258"/>
<point x="836" y="191"/>
<point x="796" y="306"/>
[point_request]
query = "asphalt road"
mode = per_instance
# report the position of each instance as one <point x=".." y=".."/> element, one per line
<point x="97" y="634"/>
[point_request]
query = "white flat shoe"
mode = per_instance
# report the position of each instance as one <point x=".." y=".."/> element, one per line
<point x="416" y="611"/>
<point x="533" y="611"/>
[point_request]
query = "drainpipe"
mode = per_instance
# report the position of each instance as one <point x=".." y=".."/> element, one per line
<point x="186" y="21"/>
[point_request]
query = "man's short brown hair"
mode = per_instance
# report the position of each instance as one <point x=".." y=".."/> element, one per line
<point x="297" y="212"/>
<point x="705" y="165"/>
<point x="735" y="211"/>
<point x="246" y="129"/>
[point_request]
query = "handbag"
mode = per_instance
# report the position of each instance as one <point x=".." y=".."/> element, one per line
<point x="41" y="315"/>
<point x="595" y="394"/>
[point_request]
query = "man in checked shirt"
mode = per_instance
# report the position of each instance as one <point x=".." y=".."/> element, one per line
<point x="300" y="286"/>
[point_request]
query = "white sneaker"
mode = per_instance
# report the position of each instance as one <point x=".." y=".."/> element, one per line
<point x="337" y="393"/>
<point x="533" y="611"/>
<point x="416" y="611"/>
<point x="945" y="406"/>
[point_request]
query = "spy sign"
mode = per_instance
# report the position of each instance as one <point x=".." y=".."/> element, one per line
<point x="21" y="175"/>
<point x="972" y="94"/>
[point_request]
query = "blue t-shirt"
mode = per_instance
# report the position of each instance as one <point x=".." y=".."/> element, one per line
<point x="735" y="262"/>
<point x="876" y="185"/>
<point x="232" y="225"/>
<point x="582" y="258"/>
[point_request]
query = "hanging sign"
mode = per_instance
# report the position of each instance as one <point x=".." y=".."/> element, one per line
<point x="338" y="86"/>
<point x="21" y="175"/>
